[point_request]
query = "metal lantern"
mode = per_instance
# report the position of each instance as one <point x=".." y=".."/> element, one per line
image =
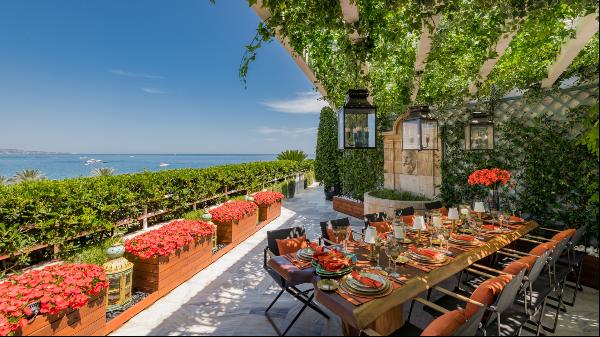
<point x="357" y="122"/>
<point x="479" y="134"/>
<point x="119" y="273"/>
<point x="420" y="129"/>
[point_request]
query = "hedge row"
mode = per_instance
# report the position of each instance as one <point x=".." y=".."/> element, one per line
<point x="52" y="211"/>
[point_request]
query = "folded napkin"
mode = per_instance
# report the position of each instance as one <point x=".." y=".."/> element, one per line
<point x="331" y="260"/>
<point x="489" y="227"/>
<point x="464" y="237"/>
<point x="366" y="281"/>
<point x="516" y="219"/>
<point x="432" y="254"/>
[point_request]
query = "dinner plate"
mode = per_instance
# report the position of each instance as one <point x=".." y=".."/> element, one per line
<point x="356" y="287"/>
<point x="475" y="242"/>
<point x="383" y="293"/>
<point x="352" y="282"/>
<point x="425" y="259"/>
<point x="325" y="273"/>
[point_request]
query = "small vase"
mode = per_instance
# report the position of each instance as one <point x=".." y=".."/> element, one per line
<point x="493" y="200"/>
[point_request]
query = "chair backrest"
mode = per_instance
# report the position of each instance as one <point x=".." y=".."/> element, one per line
<point x="433" y="205"/>
<point x="509" y="293"/>
<point x="343" y="222"/>
<point x="578" y="235"/>
<point x="538" y="266"/>
<point x="405" y="211"/>
<point x="472" y="324"/>
<point x="559" y="248"/>
<point x="374" y="217"/>
<point x="280" y="234"/>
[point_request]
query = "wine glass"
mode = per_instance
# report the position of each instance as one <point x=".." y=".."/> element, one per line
<point x="392" y="250"/>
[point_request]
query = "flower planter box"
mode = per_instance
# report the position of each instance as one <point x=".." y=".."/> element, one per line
<point x="349" y="207"/>
<point x="163" y="274"/>
<point x="269" y="213"/>
<point x="235" y="232"/>
<point x="89" y="320"/>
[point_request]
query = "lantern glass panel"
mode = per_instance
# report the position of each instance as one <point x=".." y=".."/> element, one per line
<point x="411" y="134"/>
<point x="429" y="134"/>
<point x="482" y="137"/>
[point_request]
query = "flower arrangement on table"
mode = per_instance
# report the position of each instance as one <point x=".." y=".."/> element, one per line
<point x="233" y="210"/>
<point x="56" y="288"/>
<point x="169" y="238"/>
<point x="331" y="260"/>
<point x="267" y="198"/>
<point x="490" y="178"/>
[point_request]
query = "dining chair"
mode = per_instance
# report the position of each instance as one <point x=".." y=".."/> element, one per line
<point x="375" y="217"/>
<point x="287" y="277"/>
<point x="449" y="323"/>
<point x="404" y="211"/>
<point x="325" y="238"/>
<point x="433" y="205"/>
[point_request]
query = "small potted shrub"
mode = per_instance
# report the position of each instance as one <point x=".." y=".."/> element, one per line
<point x="269" y="205"/>
<point x="235" y="220"/>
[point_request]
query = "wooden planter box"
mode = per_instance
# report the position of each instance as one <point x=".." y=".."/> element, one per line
<point x="349" y="207"/>
<point x="235" y="232"/>
<point x="89" y="320"/>
<point x="589" y="272"/>
<point x="164" y="273"/>
<point x="269" y="213"/>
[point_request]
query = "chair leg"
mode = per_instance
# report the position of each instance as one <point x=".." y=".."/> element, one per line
<point x="498" y="322"/>
<point x="557" y="313"/>
<point x="298" y="315"/>
<point x="539" y="321"/>
<point x="275" y="300"/>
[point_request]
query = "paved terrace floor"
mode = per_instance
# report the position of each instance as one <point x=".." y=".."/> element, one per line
<point x="230" y="296"/>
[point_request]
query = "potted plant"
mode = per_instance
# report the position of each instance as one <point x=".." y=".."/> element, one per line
<point x="236" y="220"/>
<point x="328" y="154"/>
<point x="269" y="205"/>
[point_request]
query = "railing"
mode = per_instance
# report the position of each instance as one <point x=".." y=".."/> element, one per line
<point x="299" y="177"/>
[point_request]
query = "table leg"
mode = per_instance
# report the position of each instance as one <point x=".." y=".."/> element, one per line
<point x="385" y="324"/>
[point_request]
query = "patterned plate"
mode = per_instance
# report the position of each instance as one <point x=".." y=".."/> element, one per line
<point x="325" y="273"/>
<point x="385" y="292"/>
<point x="424" y="259"/>
<point x="475" y="242"/>
<point x="354" y="284"/>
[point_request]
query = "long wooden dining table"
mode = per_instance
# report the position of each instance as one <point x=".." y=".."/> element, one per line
<point x="385" y="315"/>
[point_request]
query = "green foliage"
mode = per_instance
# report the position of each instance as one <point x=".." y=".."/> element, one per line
<point x="52" y="211"/>
<point x="327" y="153"/>
<point x="398" y="195"/>
<point x="28" y="175"/>
<point x="585" y="65"/>
<point x="194" y="215"/>
<point x="295" y="155"/>
<point x="554" y="176"/>
<point x="3" y="180"/>
<point x="103" y="172"/>
<point x="589" y="137"/>
<point x="91" y="253"/>
<point x="361" y="171"/>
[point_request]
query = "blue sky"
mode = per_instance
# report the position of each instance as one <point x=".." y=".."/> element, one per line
<point x="146" y="77"/>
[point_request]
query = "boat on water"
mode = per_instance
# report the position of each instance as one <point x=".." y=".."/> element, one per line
<point x="93" y="161"/>
<point x="164" y="164"/>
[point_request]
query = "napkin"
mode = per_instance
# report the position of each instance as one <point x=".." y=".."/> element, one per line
<point x="516" y="219"/>
<point x="369" y="282"/>
<point x="332" y="260"/>
<point x="468" y="238"/>
<point x="489" y="227"/>
<point x="432" y="254"/>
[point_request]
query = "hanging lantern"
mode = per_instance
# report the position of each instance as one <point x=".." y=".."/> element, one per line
<point x="356" y="122"/>
<point x="119" y="273"/>
<point x="479" y="134"/>
<point x="420" y="129"/>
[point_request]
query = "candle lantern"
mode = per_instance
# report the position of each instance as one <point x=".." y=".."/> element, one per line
<point x="357" y="127"/>
<point x="119" y="273"/>
<point x="479" y="134"/>
<point x="420" y="129"/>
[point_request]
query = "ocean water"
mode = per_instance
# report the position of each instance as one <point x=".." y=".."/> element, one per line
<point x="60" y="166"/>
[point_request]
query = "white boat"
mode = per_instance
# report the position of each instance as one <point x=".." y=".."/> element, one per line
<point x="163" y="164"/>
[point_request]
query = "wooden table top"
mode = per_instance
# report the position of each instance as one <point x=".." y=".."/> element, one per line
<point x="417" y="282"/>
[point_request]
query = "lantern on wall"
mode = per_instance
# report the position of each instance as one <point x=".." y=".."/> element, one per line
<point x="356" y="122"/>
<point x="119" y="273"/>
<point x="479" y="134"/>
<point x="420" y="129"/>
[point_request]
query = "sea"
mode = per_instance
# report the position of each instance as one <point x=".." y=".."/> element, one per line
<point x="60" y="166"/>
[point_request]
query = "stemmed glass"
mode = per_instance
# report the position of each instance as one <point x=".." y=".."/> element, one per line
<point x="392" y="250"/>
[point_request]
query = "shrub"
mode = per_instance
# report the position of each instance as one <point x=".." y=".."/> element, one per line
<point x="398" y="195"/>
<point x="327" y="153"/>
<point x="294" y="155"/>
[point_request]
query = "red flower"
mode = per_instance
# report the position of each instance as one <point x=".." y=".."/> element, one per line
<point x="233" y="210"/>
<point x="267" y="198"/>
<point x="169" y="238"/>
<point x="54" y="287"/>
<point x="489" y="177"/>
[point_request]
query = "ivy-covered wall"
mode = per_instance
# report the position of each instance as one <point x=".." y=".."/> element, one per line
<point x="537" y="139"/>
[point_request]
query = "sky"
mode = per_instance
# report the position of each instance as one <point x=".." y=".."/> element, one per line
<point x="147" y="76"/>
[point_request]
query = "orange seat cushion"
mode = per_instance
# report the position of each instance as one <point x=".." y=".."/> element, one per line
<point x="567" y="233"/>
<point x="289" y="246"/>
<point x="443" y="211"/>
<point x="542" y="248"/>
<point x="382" y="226"/>
<point x="486" y="293"/>
<point x="408" y="219"/>
<point x="331" y="235"/>
<point x="446" y="324"/>
<point x="515" y="267"/>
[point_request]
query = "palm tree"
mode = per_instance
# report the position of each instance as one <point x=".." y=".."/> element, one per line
<point x="28" y="175"/>
<point x="103" y="172"/>
<point x="295" y="155"/>
<point x="3" y="180"/>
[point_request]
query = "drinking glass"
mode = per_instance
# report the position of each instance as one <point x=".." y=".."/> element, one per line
<point x="392" y="250"/>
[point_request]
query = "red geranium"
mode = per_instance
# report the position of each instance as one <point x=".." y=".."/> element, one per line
<point x="169" y="238"/>
<point x="57" y="288"/>
<point x="233" y="211"/>
<point x="489" y="177"/>
<point x="267" y="198"/>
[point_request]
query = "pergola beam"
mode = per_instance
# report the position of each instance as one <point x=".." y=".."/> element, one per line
<point x="585" y="28"/>
<point x="423" y="49"/>
<point x="350" y="15"/>
<point x="264" y="14"/>
<point x="487" y="66"/>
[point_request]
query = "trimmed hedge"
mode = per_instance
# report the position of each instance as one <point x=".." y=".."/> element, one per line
<point x="53" y="211"/>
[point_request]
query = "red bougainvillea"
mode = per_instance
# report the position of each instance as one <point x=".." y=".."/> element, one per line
<point x="169" y="238"/>
<point x="267" y="198"/>
<point x="489" y="177"/>
<point x="233" y="210"/>
<point x="57" y="288"/>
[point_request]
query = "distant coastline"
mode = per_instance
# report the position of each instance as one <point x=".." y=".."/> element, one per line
<point x="21" y="152"/>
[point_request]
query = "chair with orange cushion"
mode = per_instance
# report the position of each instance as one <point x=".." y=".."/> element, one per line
<point x="496" y="292"/>
<point x="375" y="217"/>
<point x="279" y="243"/>
<point x="449" y="323"/>
<point x="405" y="211"/>
<point x="329" y="227"/>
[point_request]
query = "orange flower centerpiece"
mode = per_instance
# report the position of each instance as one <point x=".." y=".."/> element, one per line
<point x="490" y="178"/>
